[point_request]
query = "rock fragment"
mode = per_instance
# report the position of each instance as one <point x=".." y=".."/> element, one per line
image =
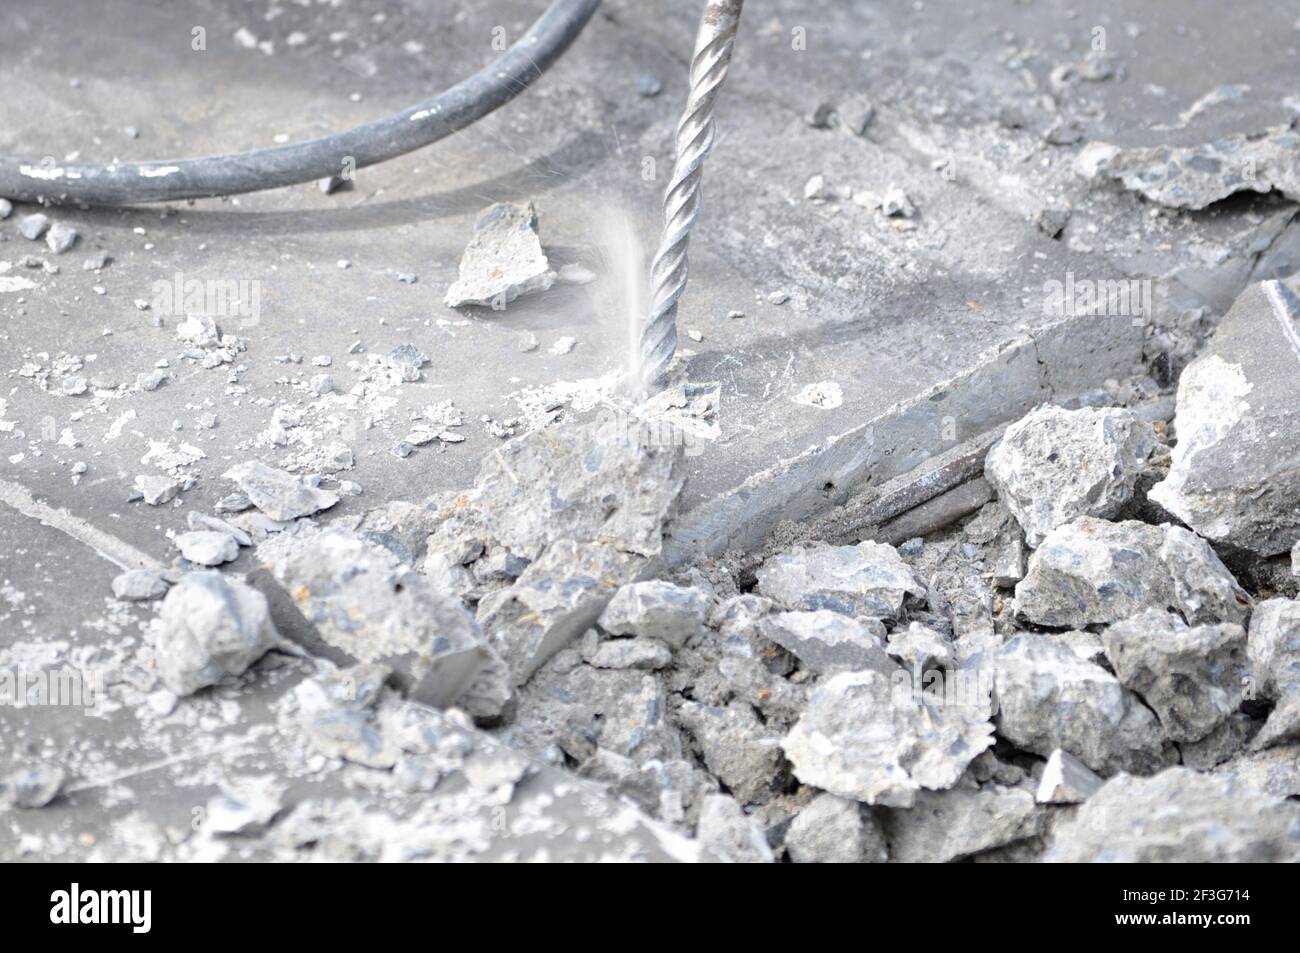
<point x="859" y="739"/>
<point x="139" y="585"/>
<point x="835" y="830"/>
<point x="638" y="653"/>
<point x="1054" y="465"/>
<point x="60" y="237"/>
<point x="944" y="826"/>
<point x="1235" y="471"/>
<point x="1192" y="678"/>
<point x="1274" y="652"/>
<point x="34" y="786"/>
<point x="33" y="226"/>
<point x="868" y="579"/>
<point x="280" y="495"/>
<point x="1066" y="780"/>
<point x="503" y="260"/>
<point x="557" y="598"/>
<point x="737" y="747"/>
<point x="827" y="642"/>
<point x="727" y="835"/>
<point x="1093" y="572"/>
<point x="157" y="489"/>
<point x="210" y="627"/>
<point x="1048" y="698"/>
<point x="656" y="610"/>
<point x="207" y="547"/>
<point x="1178" y="816"/>
<point x="360" y="604"/>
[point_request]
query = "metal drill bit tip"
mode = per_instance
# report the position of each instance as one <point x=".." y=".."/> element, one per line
<point x="713" y="45"/>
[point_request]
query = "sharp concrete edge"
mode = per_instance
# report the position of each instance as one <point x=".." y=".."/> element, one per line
<point x="1066" y="359"/>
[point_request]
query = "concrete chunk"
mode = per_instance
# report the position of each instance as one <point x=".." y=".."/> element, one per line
<point x="210" y="627"/>
<point x="868" y="579"/>
<point x="657" y="610"/>
<point x="827" y="642"/>
<point x="280" y="495"/>
<point x="503" y="260"/>
<point x="1066" y="780"/>
<point x="835" y="830"/>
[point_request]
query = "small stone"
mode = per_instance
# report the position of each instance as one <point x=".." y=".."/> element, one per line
<point x="826" y="642"/>
<point x="921" y="649"/>
<point x="526" y="342"/>
<point x="855" y="114"/>
<point x="1047" y="698"/>
<point x="1054" y="465"/>
<point x="333" y="183"/>
<point x="859" y="739"/>
<point x="406" y="360"/>
<point x="207" y="547"/>
<point x="814" y="189"/>
<point x="407" y="277"/>
<point x="245" y="807"/>
<point x="563" y="345"/>
<point x="1052" y="221"/>
<point x="280" y="495"/>
<point x="157" y="490"/>
<point x="210" y="626"/>
<point x="656" y="610"/>
<point x="727" y="835"/>
<point x="33" y="226"/>
<point x="503" y="260"/>
<point x="778" y="297"/>
<point x="162" y="702"/>
<point x="834" y="830"/>
<point x="945" y="826"/>
<point x="1192" y="678"/>
<point x="139" y="585"/>
<point x="33" y="787"/>
<point x="1066" y="780"/>
<point x="59" y="238"/>
<point x="1178" y="816"/>
<point x="869" y="579"/>
<point x="895" y="203"/>
<point x="402" y="449"/>
<point x="738" y="748"/>
<point x="1093" y="572"/>
<point x="649" y="654"/>
<point x="6" y="208"/>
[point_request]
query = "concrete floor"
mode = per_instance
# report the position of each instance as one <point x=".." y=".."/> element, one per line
<point x="933" y="334"/>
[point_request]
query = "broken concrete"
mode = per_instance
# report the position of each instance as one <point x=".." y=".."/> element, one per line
<point x="1066" y="780"/>
<point x="280" y="495"/>
<point x="656" y="610"/>
<point x="868" y="579"/>
<point x="503" y="260"/>
<point x="827" y="642"/>
<point x="1055" y="465"/>
<point x="1235" y="476"/>
<point x="834" y="830"/>
<point x="210" y="627"/>
<point x="944" y="826"/>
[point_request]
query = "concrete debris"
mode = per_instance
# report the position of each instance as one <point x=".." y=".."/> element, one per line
<point x="60" y="238"/>
<point x="631" y="653"/>
<point x="868" y="579"/>
<point x="826" y="642"/>
<point x="244" y="807"/>
<point x="1046" y="698"/>
<point x="656" y="610"/>
<point x="280" y="495"/>
<point x="157" y="489"/>
<point x="405" y="360"/>
<point x="1235" y="475"/>
<point x="1094" y="572"/>
<point x="1054" y="465"/>
<point x="557" y="598"/>
<point x="503" y="260"/>
<point x="861" y="738"/>
<point x="895" y="203"/>
<point x="1196" y="176"/>
<point x="32" y="787"/>
<point x="944" y="826"/>
<point x="357" y="603"/>
<point x="920" y="649"/>
<point x="1192" y="678"/>
<point x="1179" y="816"/>
<point x="207" y="547"/>
<point x="1274" y="652"/>
<point x="210" y="627"/>
<point x="834" y="830"/>
<point x="33" y="226"/>
<point x="568" y="483"/>
<point x="736" y="746"/>
<point x="727" y="835"/>
<point x="139" y="585"/>
<point x="1066" y="780"/>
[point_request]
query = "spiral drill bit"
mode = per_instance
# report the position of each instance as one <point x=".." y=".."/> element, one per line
<point x="709" y="64"/>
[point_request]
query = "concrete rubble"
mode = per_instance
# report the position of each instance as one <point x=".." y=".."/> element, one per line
<point x="503" y="260"/>
<point x="1235" y="474"/>
<point x="868" y="579"/>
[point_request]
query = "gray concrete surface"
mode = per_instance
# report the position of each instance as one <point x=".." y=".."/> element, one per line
<point x="933" y="328"/>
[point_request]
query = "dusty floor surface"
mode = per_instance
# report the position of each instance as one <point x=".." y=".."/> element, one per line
<point x="896" y="194"/>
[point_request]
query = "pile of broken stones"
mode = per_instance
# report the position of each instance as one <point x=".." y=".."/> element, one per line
<point x="1074" y="673"/>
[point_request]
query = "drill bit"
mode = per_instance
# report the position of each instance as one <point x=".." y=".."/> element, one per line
<point x="713" y="45"/>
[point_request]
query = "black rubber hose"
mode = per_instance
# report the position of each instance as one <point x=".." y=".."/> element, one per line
<point x="129" y="183"/>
